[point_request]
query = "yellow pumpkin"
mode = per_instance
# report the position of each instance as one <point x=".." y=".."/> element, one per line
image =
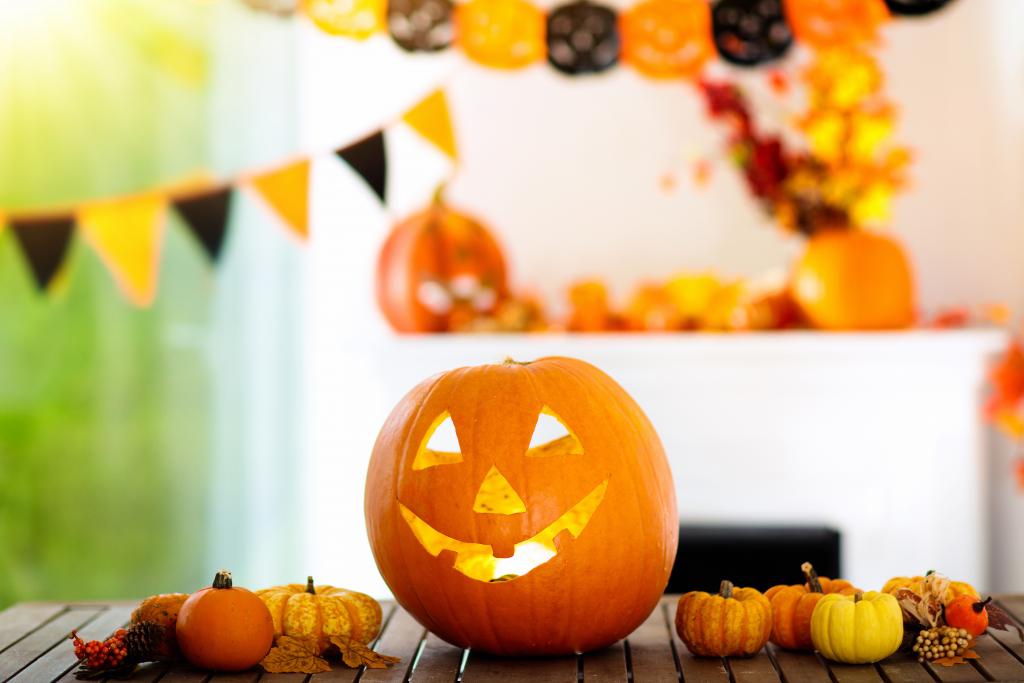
<point x="916" y="584"/>
<point x="308" y="611"/>
<point x="734" y="623"/>
<point x="857" y="629"/>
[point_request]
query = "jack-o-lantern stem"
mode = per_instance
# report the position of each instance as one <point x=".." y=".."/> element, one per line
<point x="725" y="590"/>
<point x="438" y="197"/>
<point x="310" y="588"/>
<point x="857" y="597"/>
<point x="811" y="576"/>
<point x="222" y="579"/>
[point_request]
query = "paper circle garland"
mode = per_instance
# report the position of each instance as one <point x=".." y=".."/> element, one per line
<point x="829" y="23"/>
<point x="358" y="19"/>
<point x="421" y="25"/>
<point x="503" y="34"/>
<point x="749" y="32"/>
<point x="582" y="38"/>
<point x="667" y="38"/>
<point x="915" y="7"/>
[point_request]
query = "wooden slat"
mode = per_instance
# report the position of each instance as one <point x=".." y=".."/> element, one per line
<point x="996" y="662"/>
<point x="282" y="678"/>
<point x="752" y="669"/>
<point x="650" y="650"/>
<point x="605" y="666"/>
<point x="340" y="673"/>
<point x="181" y="674"/>
<point x="481" y="667"/>
<point x="798" y="667"/>
<point x="57" y="661"/>
<point x="42" y="640"/>
<point x="250" y="676"/>
<point x="1009" y="640"/>
<point x="401" y="639"/>
<point x="438" y="663"/>
<point x="694" y="669"/>
<point x="961" y="673"/>
<point x="854" y="673"/>
<point x="903" y="667"/>
<point x="18" y="621"/>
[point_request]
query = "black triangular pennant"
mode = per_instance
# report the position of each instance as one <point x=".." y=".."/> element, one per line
<point x="207" y="216"/>
<point x="44" y="242"/>
<point x="368" y="158"/>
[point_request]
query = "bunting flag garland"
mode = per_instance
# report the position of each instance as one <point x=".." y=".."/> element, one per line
<point x="431" y="119"/>
<point x="206" y="216"/>
<point x="661" y="38"/>
<point x="368" y="158"/>
<point x="44" y="243"/>
<point x="128" y="235"/>
<point x="286" y="190"/>
<point x="127" y="232"/>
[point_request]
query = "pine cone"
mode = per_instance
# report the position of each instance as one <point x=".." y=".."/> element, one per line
<point x="144" y="642"/>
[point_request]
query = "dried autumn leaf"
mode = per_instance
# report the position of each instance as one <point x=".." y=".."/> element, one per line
<point x="1001" y="621"/>
<point x="919" y="609"/>
<point x="961" y="659"/>
<point x="295" y="656"/>
<point x="356" y="654"/>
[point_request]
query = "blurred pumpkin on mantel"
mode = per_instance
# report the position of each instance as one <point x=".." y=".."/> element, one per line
<point x="439" y="266"/>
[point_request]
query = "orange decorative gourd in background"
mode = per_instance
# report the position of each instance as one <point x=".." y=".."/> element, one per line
<point x="734" y="623"/>
<point x="667" y="38"/>
<point x="224" y="628"/>
<point x="319" y="612"/>
<point x="501" y="34"/>
<point x="854" y="280"/>
<point x="437" y="266"/>
<point x="162" y="610"/>
<point x="792" y="607"/>
<point x="916" y="585"/>
<point x="522" y="508"/>
<point x="823" y="24"/>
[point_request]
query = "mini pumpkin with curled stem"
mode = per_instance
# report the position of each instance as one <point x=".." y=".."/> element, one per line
<point x="734" y="623"/>
<point x="319" y="612"/>
<point x="792" y="607"/>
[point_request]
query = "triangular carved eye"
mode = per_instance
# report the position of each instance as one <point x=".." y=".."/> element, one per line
<point x="552" y="437"/>
<point x="440" y="445"/>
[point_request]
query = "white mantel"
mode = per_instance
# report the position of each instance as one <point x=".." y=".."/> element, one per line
<point x="864" y="432"/>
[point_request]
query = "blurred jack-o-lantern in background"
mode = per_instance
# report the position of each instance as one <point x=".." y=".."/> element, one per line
<point x="522" y="508"/>
<point x="436" y="267"/>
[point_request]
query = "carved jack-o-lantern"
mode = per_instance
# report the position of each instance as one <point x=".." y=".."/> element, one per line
<point x="522" y="508"/>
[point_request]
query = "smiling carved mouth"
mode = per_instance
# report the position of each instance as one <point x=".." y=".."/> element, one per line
<point x="477" y="560"/>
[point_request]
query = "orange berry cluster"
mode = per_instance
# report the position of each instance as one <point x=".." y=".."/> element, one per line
<point x="107" y="654"/>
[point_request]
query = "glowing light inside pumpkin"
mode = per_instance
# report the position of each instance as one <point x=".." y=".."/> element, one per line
<point x="477" y="560"/>
<point x="496" y="496"/>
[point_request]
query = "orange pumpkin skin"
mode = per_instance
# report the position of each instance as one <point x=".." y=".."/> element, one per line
<point x="854" y="280"/>
<point x="436" y="265"/>
<point x="734" y="623"/>
<point x="224" y="628"/>
<point x="792" y="607"/>
<point x="822" y="24"/>
<point x="969" y="613"/>
<point x="600" y="584"/>
<point x="162" y="610"/>
<point x="916" y="585"/>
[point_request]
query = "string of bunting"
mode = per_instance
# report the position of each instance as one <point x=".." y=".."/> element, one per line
<point x="127" y="231"/>
<point x="658" y="38"/>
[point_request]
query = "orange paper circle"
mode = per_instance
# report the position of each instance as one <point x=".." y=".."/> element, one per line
<point x="503" y="34"/>
<point x="667" y="38"/>
<point x="828" y="23"/>
<point x="358" y="19"/>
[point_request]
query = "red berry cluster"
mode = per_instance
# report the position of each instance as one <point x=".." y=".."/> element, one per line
<point x="107" y="654"/>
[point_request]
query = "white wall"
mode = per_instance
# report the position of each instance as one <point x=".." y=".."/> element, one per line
<point x="567" y="172"/>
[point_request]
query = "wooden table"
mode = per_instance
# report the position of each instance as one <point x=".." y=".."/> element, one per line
<point x="34" y="647"/>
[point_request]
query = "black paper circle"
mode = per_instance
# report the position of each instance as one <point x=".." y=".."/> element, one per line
<point x="421" y="25"/>
<point x="749" y="32"/>
<point x="915" y="8"/>
<point x="582" y="38"/>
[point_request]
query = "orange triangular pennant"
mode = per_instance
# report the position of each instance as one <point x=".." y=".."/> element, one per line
<point x="286" y="190"/>
<point x="128" y="236"/>
<point x="430" y="118"/>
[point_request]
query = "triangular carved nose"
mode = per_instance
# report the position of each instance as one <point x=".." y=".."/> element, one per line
<point x="496" y="496"/>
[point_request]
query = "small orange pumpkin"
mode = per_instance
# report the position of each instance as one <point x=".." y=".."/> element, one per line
<point x="916" y="585"/>
<point x="501" y="34"/>
<point x="792" y="607"/>
<point x="310" y="611"/>
<point x="224" y="628"/>
<point x="827" y="23"/>
<point x="162" y="610"/>
<point x="854" y="280"/>
<point x="734" y="623"/>
<point x="436" y="267"/>
<point x="969" y="613"/>
<point x="667" y="38"/>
